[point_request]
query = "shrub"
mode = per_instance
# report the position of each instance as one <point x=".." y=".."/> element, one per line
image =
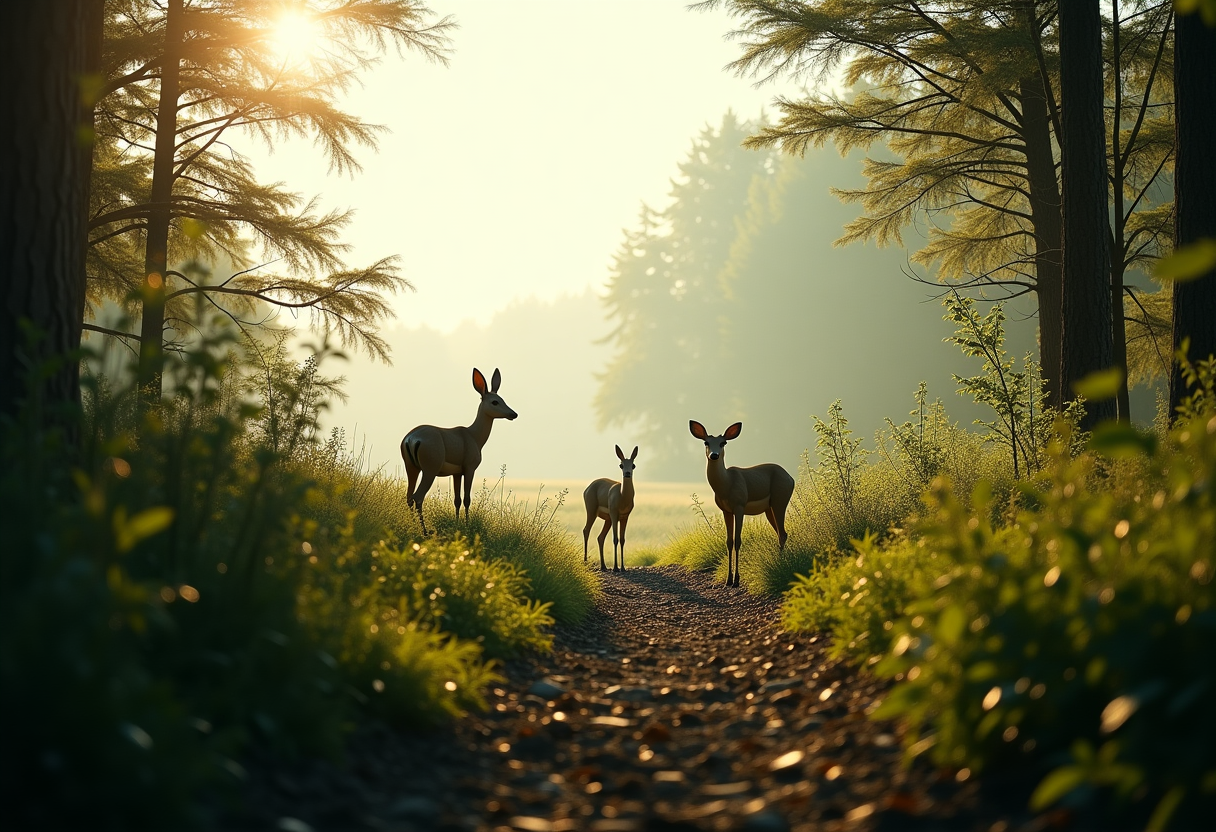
<point x="1089" y="623"/>
<point x="186" y="586"/>
<point x="858" y="596"/>
<point x="512" y="530"/>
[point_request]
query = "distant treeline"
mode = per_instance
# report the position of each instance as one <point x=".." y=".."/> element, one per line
<point x="733" y="304"/>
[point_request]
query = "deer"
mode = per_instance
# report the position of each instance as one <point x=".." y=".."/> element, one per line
<point x="612" y="501"/>
<point x="439" y="452"/>
<point x="761" y="489"/>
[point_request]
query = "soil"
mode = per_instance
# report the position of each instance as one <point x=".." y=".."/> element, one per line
<point x="678" y="704"/>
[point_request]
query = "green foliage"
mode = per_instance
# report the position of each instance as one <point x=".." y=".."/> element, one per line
<point x="850" y="497"/>
<point x="192" y="588"/>
<point x="1016" y="396"/>
<point x="858" y="596"/>
<point x="233" y="79"/>
<point x="839" y="455"/>
<point x="527" y="537"/>
<point x="454" y="588"/>
<point x="1081" y="626"/>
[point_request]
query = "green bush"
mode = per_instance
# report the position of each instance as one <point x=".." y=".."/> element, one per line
<point x="850" y="495"/>
<point x="512" y="530"/>
<point x="857" y="596"/>
<point x="187" y="584"/>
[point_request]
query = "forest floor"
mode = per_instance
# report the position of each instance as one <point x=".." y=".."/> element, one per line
<point x="678" y="704"/>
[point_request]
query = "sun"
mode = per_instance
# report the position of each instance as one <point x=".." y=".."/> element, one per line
<point x="293" y="35"/>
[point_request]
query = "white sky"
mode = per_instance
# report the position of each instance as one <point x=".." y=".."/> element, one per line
<point x="512" y="171"/>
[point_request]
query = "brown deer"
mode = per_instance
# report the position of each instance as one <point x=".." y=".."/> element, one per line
<point x="761" y="489"/>
<point x="440" y="452"/>
<point x="612" y="501"/>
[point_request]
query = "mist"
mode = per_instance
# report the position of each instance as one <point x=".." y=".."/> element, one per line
<point x="794" y="324"/>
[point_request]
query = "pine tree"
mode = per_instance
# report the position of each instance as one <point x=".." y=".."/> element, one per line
<point x="1087" y="331"/>
<point x="181" y="78"/>
<point x="665" y="295"/>
<point x="964" y="93"/>
<point x="43" y="196"/>
<point x="1194" y="301"/>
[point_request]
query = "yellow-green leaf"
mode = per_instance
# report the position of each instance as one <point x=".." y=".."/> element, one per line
<point x="1119" y="440"/>
<point x="1101" y="385"/>
<point x="951" y="625"/>
<point x="128" y="533"/>
<point x="1189" y="262"/>
<point x="1206" y="9"/>
<point x="1055" y="785"/>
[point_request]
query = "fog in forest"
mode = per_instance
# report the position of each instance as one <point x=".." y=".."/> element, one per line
<point x="729" y="304"/>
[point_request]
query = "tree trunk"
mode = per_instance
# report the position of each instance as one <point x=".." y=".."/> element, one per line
<point x="1045" y="219"/>
<point x="1087" y="324"/>
<point x="1194" y="186"/>
<point x="156" y="253"/>
<point x="43" y="204"/>
<point x="1117" y="266"/>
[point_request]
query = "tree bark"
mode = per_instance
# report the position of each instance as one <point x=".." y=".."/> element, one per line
<point x="43" y="205"/>
<point x="1117" y="266"/>
<point x="1045" y="219"/>
<point x="1194" y="187"/>
<point x="156" y="253"/>
<point x="1087" y="324"/>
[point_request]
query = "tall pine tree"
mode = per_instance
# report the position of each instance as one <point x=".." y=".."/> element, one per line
<point x="665" y="296"/>
<point x="182" y="78"/>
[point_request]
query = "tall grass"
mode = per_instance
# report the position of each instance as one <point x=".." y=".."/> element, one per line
<point x="1072" y="632"/>
<point x="845" y="495"/>
<point x="211" y="573"/>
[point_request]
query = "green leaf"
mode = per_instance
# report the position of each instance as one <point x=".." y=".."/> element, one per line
<point x="1119" y="440"/>
<point x="1101" y="385"/>
<point x="128" y="533"/>
<point x="1189" y="262"/>
<point x="951" y="625"/>
<point x="982" y="671"/>
<point x="1055" y="785"/>
<point x="1206" y="9"/>
<point x="1165" y="809"/>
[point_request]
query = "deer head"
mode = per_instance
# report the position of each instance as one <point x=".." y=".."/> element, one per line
<point x="627" y="465"/>
<point x="714" y="445"/>
<point x="492" y="404"/>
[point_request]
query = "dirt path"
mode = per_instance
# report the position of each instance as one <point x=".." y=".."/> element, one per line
<point x="677" y="705"/>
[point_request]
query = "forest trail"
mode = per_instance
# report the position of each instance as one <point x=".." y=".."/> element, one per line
<point x="678" y="704"/>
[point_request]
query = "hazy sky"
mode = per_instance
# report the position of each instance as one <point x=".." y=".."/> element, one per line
<point x="512" y="171"/>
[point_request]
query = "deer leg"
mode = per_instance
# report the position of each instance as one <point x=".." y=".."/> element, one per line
<point x="456" y="493"/>
<point x="616" y="522"/>
<point x="468" y="493"/>
<point x="420" y="496"/>
<point x="602" y="535"/>
<point x="730" y="542"/>
<point x="624" y="523"/>
<point x="587" y="533"/>
<point x="738" y="544"/>
<point x="778" y="521"/>
<point x="411" y="474"/>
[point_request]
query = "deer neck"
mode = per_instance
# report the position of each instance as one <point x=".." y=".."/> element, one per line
<point x="627" y="491"/>
<point x="715" y="472"/>
<point x="480" y="429"/>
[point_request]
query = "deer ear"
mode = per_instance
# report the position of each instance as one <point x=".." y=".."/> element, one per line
<point x="697" y="429"/>
<point x="733" y="431"/>
<point x="479" y="381"/>
<point x="634" y="455"/>
<point x="619" y="453"/>
<point x="495" y="380"/>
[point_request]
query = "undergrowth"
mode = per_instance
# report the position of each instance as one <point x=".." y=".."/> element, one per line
<point x="207" y="572"/>
<point x="1074" y="631"/>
